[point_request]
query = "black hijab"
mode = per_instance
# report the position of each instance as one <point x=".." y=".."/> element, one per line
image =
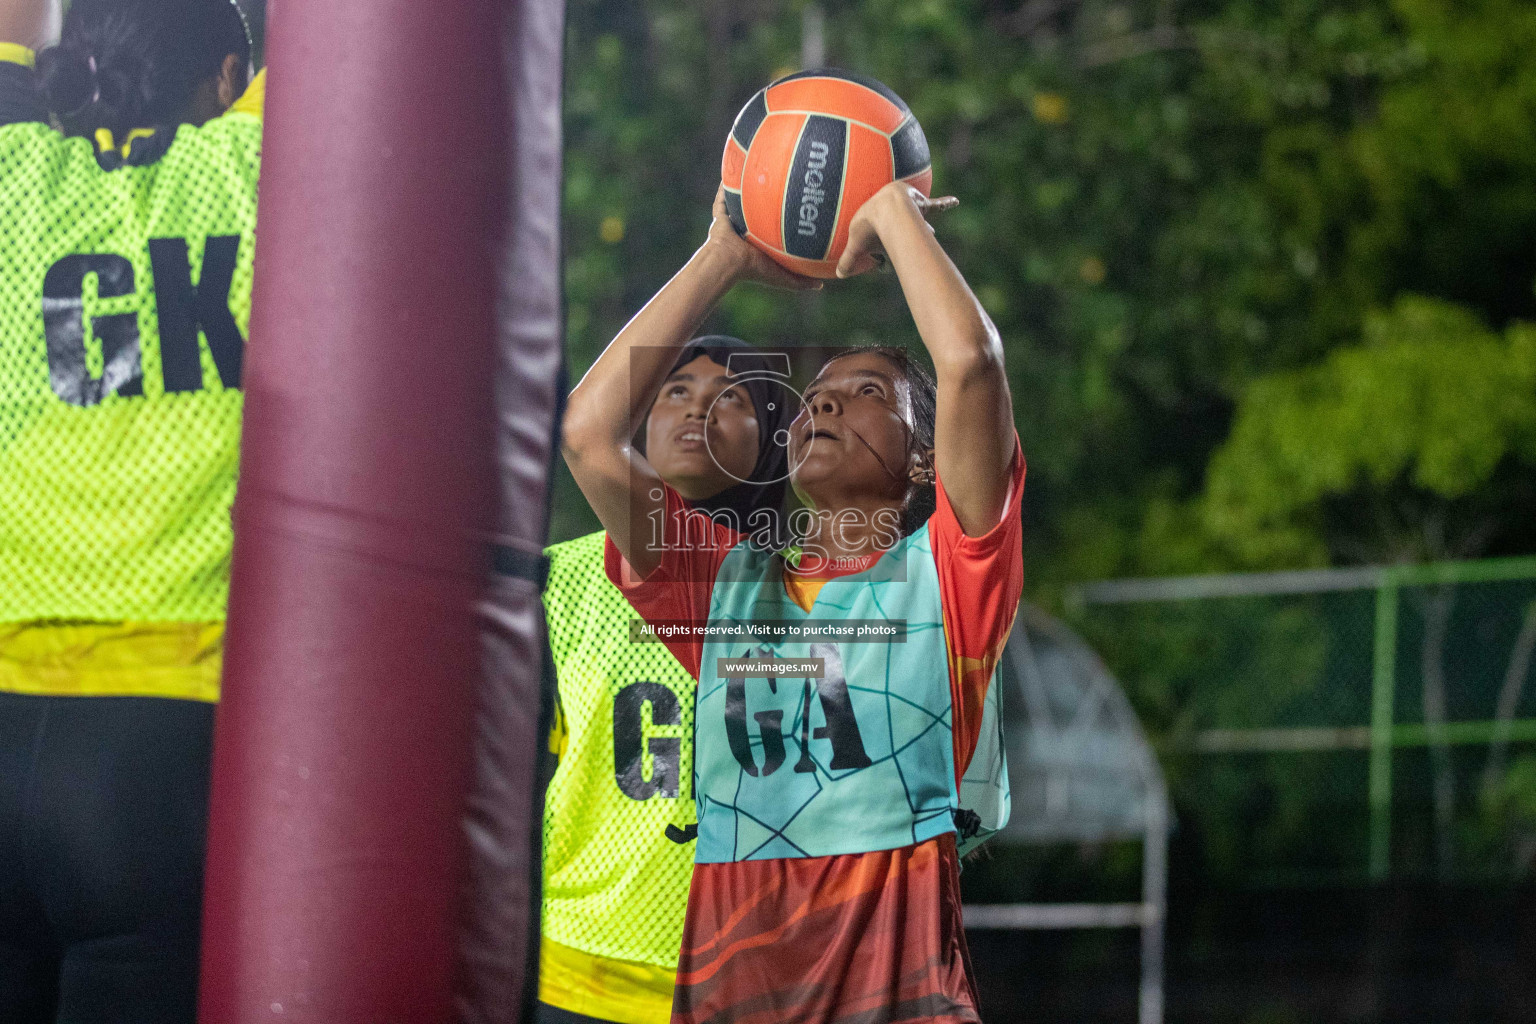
<point x="767" y="481"/>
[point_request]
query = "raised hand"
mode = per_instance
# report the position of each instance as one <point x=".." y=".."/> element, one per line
<point x="864" y="249"/>
<point x="748" y="262"/>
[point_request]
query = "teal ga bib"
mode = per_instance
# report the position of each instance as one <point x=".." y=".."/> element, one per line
<point x="859" y="759"/>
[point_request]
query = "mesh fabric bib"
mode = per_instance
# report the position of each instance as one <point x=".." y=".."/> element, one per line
<point x="614" y="884"/>
<point x="124" y="305"/>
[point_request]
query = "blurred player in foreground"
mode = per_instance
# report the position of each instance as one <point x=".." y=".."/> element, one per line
<point x="615" y="884"/>
<point x="125" y="275"/>
<point x="826" y="884"/>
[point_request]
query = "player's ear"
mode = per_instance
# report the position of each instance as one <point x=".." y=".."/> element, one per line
<point x="231" y="82"/>
<point x="920" y="469"/>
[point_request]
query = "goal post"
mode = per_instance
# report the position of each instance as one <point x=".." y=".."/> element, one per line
<point x="372" y="848"/>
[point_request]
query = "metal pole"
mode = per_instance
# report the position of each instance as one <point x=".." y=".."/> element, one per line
<point x="1154" y="895"/>
<point x="813" y="37"/>
<point x="1383" y="699"/>
<point x="1309" y="581"/>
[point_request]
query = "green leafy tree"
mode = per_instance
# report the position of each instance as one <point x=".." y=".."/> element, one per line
<point x="1411" y="447"/>
<point x="1445" y="162"/>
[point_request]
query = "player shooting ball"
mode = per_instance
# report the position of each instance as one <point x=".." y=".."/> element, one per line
<point x="826" y="878"/>
<point x="615" y="884"/>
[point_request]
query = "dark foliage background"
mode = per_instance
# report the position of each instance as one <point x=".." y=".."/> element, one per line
<point x="1265" y="275"/>
<point x="1264" y="270"/>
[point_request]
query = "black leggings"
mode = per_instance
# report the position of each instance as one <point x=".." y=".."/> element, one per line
<point x="103" y="814"/>
<point x="546" y="1014"/>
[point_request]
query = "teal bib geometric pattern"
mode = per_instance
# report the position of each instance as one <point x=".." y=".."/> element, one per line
<point x="859" y="759"/>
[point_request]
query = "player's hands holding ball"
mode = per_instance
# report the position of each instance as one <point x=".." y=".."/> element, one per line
<point x="871" y="233"/>
<point x="745" y="261"/>
<point x="820" y="171"/>
<point x="868" y="237"/>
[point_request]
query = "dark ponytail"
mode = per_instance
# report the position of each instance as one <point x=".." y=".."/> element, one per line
<point x="125" y="64"/>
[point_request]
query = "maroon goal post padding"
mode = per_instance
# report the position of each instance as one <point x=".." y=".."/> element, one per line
<point x="373" y="833"/>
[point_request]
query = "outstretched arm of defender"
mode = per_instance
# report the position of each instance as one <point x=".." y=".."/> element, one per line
<point x="607" y="408"/>
<point x="974" y="433"/>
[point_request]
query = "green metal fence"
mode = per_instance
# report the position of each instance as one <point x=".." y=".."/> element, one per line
<point x="1339" y="722"/>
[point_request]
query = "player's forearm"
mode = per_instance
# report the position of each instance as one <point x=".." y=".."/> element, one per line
<point x="29" y="23"/>
<point x="611" y="401"/>
<point x="974" y="431"/>
<point x="956" y="331"/>
<point x="607" y="407"/>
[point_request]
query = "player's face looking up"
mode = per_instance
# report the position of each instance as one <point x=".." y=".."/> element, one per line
<point x="701" y="436"/>
<point x="851" y="444"/>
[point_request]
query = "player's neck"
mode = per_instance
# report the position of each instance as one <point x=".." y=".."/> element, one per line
<point x="849" y="531"/>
